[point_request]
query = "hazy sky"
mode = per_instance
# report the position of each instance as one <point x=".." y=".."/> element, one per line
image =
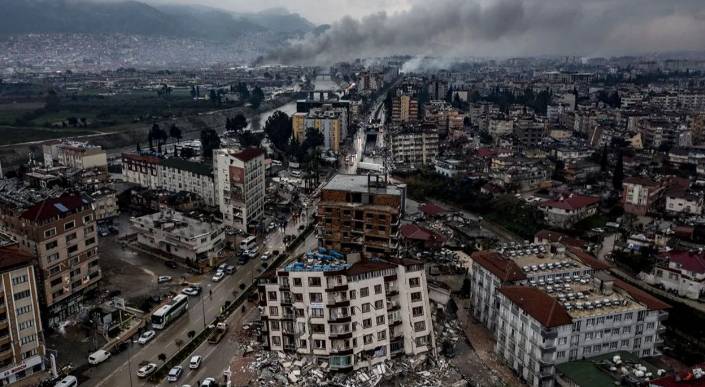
<point x="318" y="11"/>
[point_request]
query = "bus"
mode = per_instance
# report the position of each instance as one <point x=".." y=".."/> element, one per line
<point x="170" y="312"/>
<point x="249" y="243"/>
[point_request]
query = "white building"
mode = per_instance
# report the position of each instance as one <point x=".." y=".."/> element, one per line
<point x="684" y="202"/>
<point x="682" y="272"/>
<point x="451" y="168"/>
<point x="74" y="154"/>
<point x="173" y="175"/>
<point x="240" y="185"/>
<point x="190" y="240"/>
<point x="413" y="147"/>
<point x="350" y="315"/>
<point x="546" y="305"/>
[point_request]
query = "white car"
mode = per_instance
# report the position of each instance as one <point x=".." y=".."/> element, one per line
<point x="146" y="337"/>
<point x="175" y="373"/>
<point x="208" y="382"/>
<point x="218" y="276"/>
<point x="163" y="278"/>
<point x="147" y="370"/>
<point x="195" y="362"/>
<point x="191" y="291"/>
<point x="98" y="357"/>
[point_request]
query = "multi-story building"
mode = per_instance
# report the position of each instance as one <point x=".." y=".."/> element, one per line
<point x="640" y="194"/>
<point x="405" y="109"/>
<point x="684" y="202"/>
<point x="569" y="210"/>
<point x="413" y="146"/>
<point x="349" y="315"/>
<point x="190" y="240"/>
<point x="682" y="272"/>
<point x="21" y="335"/>
<point x="446" y="118"/>
<point x="547" y="304"/>
<point x="61" y="234"/>
<point x="360" y="214"/>
<point x="73" y="154"/>
<point x="329" y="121"/>
<point x="240" y="185"/>
<point x="105" y="204"/>
<point x="173" y="175"/>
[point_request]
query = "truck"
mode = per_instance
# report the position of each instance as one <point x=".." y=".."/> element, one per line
<point x="218" y="332"/>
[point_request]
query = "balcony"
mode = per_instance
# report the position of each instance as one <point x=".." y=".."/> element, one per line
<point x="5" y="339"/>
<point x="288" y="316"/>
<point x="3" y="324"/>
<point x="549" y="335"/>
<point x="286" y="301"/>
<point x="339" y="318"/>
<point x="392" y="306"/>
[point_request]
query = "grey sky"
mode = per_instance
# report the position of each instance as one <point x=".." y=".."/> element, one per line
<point x="318" y="11"/>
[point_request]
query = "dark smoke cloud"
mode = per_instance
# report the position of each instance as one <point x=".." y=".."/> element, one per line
<point x="505" y="28"/>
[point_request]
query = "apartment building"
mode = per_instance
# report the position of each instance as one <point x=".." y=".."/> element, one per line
<point x="329" y="121"/>
<point x="105" y="204"/>
<point x="640" y="194"/>
<point x="413" y="146"/>
<point x="566" y="211"/>
<point x="189" y="240"/>
<point x="405" y="109"/>
<point x="349" y="315"/>
<point x="360" y="214"/>
<point x="61" y="234"/>
<point x="547" y="304"/>
<point x="680" y="271"/>
<point x="446" y="118"/>
<point x="173" y="175"/>
<point x="21" y="335"/>
<point x="240" y="185"/>
<point x="74" y="154"/>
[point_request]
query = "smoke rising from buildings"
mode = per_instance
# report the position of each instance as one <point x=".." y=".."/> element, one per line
<point x="505" y="28"/>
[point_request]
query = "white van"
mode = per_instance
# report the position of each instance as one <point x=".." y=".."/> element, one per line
<point x="98" y="357"/>
<point x="69" y="381"/>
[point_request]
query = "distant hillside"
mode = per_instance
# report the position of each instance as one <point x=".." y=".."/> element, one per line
<point x="133" y="17"/>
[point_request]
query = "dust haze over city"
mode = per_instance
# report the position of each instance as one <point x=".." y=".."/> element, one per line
<point x="352" y="193"/>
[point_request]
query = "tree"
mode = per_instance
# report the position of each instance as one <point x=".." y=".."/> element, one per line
<point x="193" y="92"/>
<point x="213" y="96"/>
<point x="249" y="139"/>
<point x="178" y="343"/>
<point x="256" y="98"/>
<point x="237" y="123"/>
<point x="278" y="129"/>
<point x="159" y="135"/>
<point x="243" y="91"/>
<point x="187" y="153"/>
<point x="161" y="357"/>
<point x="175" y="132"/>
<point x="209" y="142"/>
<point x="191" y="334"/>
<point x="618" y="174"/>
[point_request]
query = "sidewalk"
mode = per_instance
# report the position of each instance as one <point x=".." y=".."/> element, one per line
<point x="483" y="345"/>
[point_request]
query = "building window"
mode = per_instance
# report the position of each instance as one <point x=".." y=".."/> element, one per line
<point x="87" y="218"/>
<point x="70" y="237"/>
<point x="314" y="281"/>
<point x="378" y="289"/>
<point x="419" y="326"/>
<point x="20" y="279"/>
<point x="379" y="304"/>
<point x="90" y="241"/>
<point x="366" y="307"/>
<point x="381" y="335"/>
<point x="353" y="294"/>
<point x="273" y="311"/>
<point x="317" y="312"/>
<point x="20" y="295"/>
<point x="297" y="281"/>
<point x="276" y="341"/>
<point x="51" y="245"/>
<point x="319" y="344"/>
<point x="416" y="296"/>
<point x="367" y="323"/>
<point x="380" y="320"/>
<point x="274" y="325"/>
<point x="69" y="225"/>
<point x="23" y="309"/>
<point x="272" y="296"/>
<point x="318" y="328"/>
<point x="315" y="297"/>
<point x="414" y="282"/>
<point x="364" y="292"/>
<point x="50" y="232"/>
<point x="28" y="339"/>
<point x="368" y="339"/>
<point x="298" y="297"/>
<point x="26" y="324"/>
<point x="417" y="311"/>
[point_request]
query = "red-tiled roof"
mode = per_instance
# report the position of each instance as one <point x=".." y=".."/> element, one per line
<point x="651" y="302"/>
<point x="366" y="267"/>
<point x="690" y="261"/>
<point x="55" y="207"/>
<point x="554" y="236"/>
<point x="249" y="154"/>
<point x="537" y="304"/>
<point x="416" y="232"/>
<point x="572" y="202"/>
<point x="11" y="257"/>
<point x="641" y="180"/>
<point x="504" y="269"/>
<point x="431" y="209"/>
<point x="588" y="259"/>
<point x="680" y="379"/>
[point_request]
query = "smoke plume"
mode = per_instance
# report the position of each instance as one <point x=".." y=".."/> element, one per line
<point x="506" y="28"/>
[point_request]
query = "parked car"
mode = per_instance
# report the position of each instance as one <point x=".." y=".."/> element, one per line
<point x="171" y="264"/>
<point x="98" y="357"/>
<point x="163" y="279"/>
<point x="243" y="259"/>
<point x="146" y="337"/>
<point x="218" y="276"/>
<point x="195" y="362"/>
<point x="146" y="370"/>
<point x="208" y="382"/>
<point x="230" y="269"/>
<point x="174" y="373"/>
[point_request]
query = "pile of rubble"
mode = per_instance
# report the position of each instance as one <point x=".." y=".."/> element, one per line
<point x="277" y="369"/>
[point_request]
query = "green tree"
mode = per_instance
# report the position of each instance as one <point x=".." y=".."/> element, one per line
<point x="278" y="129"/>
<point x="175" y="132"/>
<point x="243" y="91"/>
<point x="257" y="97"/>
<point x="213" y="96"/>
<point x="249" y="139"/>
<point x="237" y="123"/>
<point x="209" y="142"/>
<point x="618" y="175"/>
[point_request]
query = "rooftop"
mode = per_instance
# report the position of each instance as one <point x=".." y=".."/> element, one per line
<point x="185" y="165"/>
<point x="572" y="202"/>
<point x="539" y="305"/>
<point x="595" y="371"/>
<point x="11" y="257"/>
<point x="56" y="207"/>
<point x="687" y="260"/>
<point x="361" y="184"/>
<point x="176" y="224"/>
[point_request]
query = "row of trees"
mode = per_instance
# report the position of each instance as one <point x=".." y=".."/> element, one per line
<point x="160" y="136"/>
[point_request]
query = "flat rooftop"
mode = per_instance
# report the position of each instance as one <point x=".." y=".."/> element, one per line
<point x="177" y="224"/>
<point x="319" y="260"/>
<point x="362" y="184"/>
